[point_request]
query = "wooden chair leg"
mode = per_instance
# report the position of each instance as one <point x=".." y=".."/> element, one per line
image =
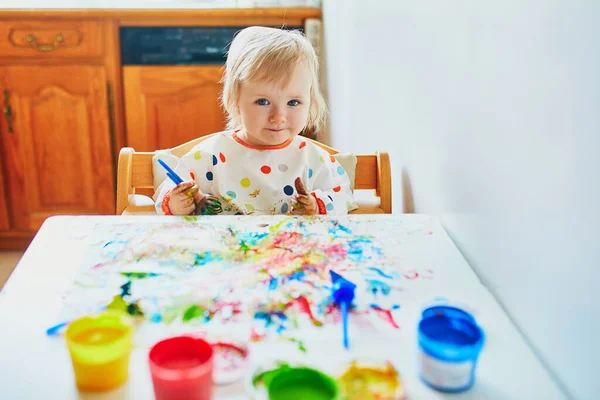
<point x="384" y="181"/>
<point x="124" y="187"/>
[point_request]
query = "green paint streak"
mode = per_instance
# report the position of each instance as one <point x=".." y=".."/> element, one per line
<point x="136" y="275"/>
<point x="118" y="303"/>
<point x="301" y="346"/>
<point x="205" y="258"/>
<point x="276" y="227"/>
<point x="244" y="247"/>
<point x="193" y="312"/>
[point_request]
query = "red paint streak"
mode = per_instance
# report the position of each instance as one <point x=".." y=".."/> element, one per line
<point x="255" y="336"/>
<point x="334" y="312"/>
<point x="304" y="307"/>
<point x="387" y="316"/>
<point x="285" y="239"/>
<point x="235" y="308"/>
<point x="410" y="275"/>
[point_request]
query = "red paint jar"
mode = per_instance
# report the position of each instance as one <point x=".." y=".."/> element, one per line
<point x="182" y="368"/>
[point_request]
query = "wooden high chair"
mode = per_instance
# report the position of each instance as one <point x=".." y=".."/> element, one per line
<point x="134" y="174"/>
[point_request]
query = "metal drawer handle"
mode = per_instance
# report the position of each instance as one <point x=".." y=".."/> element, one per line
<point x="45" y="47"/>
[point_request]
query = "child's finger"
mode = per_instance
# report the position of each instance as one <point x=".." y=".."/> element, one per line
<point x="182" y="187"/>
<point x="192" y="191"/>
<point x="198" y="196"/>
<point x="188" y="201"/>
<point x="189" y="209"/>
<point x="306" y="200"/>
<point x="300" y="187"/>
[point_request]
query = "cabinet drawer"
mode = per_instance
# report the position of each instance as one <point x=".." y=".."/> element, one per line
<point x="36" y="38"/>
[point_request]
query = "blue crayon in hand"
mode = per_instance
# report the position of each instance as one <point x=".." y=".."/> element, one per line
<point x="170" y="173"/>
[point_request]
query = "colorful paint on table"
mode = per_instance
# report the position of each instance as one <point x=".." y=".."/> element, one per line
<point x="271" y="276"/>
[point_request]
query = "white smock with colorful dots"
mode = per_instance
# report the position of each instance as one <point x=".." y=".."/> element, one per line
<point x="248" y="179"/>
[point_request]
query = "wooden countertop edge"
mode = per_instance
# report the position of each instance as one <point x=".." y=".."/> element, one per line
<point x="141" y="14"/>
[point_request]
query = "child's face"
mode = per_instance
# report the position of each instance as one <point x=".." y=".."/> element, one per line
<point x="272" y="114"/>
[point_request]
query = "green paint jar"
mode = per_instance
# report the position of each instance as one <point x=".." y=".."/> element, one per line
<point x="302" y="383"/>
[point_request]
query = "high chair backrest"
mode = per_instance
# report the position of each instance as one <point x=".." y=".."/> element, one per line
<point x="135" y="174"/>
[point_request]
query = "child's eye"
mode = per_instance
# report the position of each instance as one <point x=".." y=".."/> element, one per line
<point x="262" y="102"/>
<point x="293" y="103"/>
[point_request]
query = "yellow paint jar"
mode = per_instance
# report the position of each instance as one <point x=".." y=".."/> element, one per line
<point x="100" y="346"/>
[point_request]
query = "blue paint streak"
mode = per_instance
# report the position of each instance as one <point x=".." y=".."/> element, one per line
<point x="205" y="258"/>
<point x="251" y="238"/>
<point x="273" y="284"/>
<point x="376" y="286"/>
<point x="297" y="276"/>
<point x="338" y="228"/>
<point x="344" y="229"/>
<point x="264" y="316"/>
<point x="281" y="315"/>
<point x="156" y="318"/>
<point x="377" y="306"/>
<point x="380" y="272"/>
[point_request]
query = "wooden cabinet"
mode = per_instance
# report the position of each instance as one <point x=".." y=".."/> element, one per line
<point x="57" y="150"/>
<point x="4" y="215"/>
<point x="169" y="105"/>
<point x="68" y="105"/>
<point x="67" y="38"/>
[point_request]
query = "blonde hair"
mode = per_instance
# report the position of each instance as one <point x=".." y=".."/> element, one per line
<point x="260" y="54"/>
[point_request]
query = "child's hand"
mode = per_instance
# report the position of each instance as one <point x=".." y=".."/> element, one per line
<point x="209" y="205"/>
<point x="183" y="198"/>
<point x="305" y="200"/>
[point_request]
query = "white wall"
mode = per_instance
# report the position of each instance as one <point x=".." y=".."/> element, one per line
<point x="490" y="112"/>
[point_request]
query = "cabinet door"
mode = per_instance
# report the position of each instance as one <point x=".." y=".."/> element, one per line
<point x="4" y="218"/>
<point x="58" y="155"/>
<point x="166" y="106"/>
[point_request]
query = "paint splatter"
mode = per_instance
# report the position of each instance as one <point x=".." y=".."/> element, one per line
<point x="383" y="274"/>
<point x="376" y="286"/>
<point x="386" y="315"/>
<point x="271" y="275"/>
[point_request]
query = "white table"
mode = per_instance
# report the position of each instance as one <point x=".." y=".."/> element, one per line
<point x="35" y="366"/>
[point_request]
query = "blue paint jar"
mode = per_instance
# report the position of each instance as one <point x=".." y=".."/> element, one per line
<point x="450" y="342"/>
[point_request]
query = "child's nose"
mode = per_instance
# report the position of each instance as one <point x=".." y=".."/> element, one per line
<point x="277" y="117"/>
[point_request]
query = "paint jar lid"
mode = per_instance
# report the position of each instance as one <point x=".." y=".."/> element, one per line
<point x="312" y="384"/>
<point x="284" y="381"/>
<point x="230" y="361"/>
<point x="447" y="311"/>
<point x="181" y="357"/>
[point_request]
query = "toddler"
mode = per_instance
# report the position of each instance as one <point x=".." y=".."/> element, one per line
<point x="260" y="165"/>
